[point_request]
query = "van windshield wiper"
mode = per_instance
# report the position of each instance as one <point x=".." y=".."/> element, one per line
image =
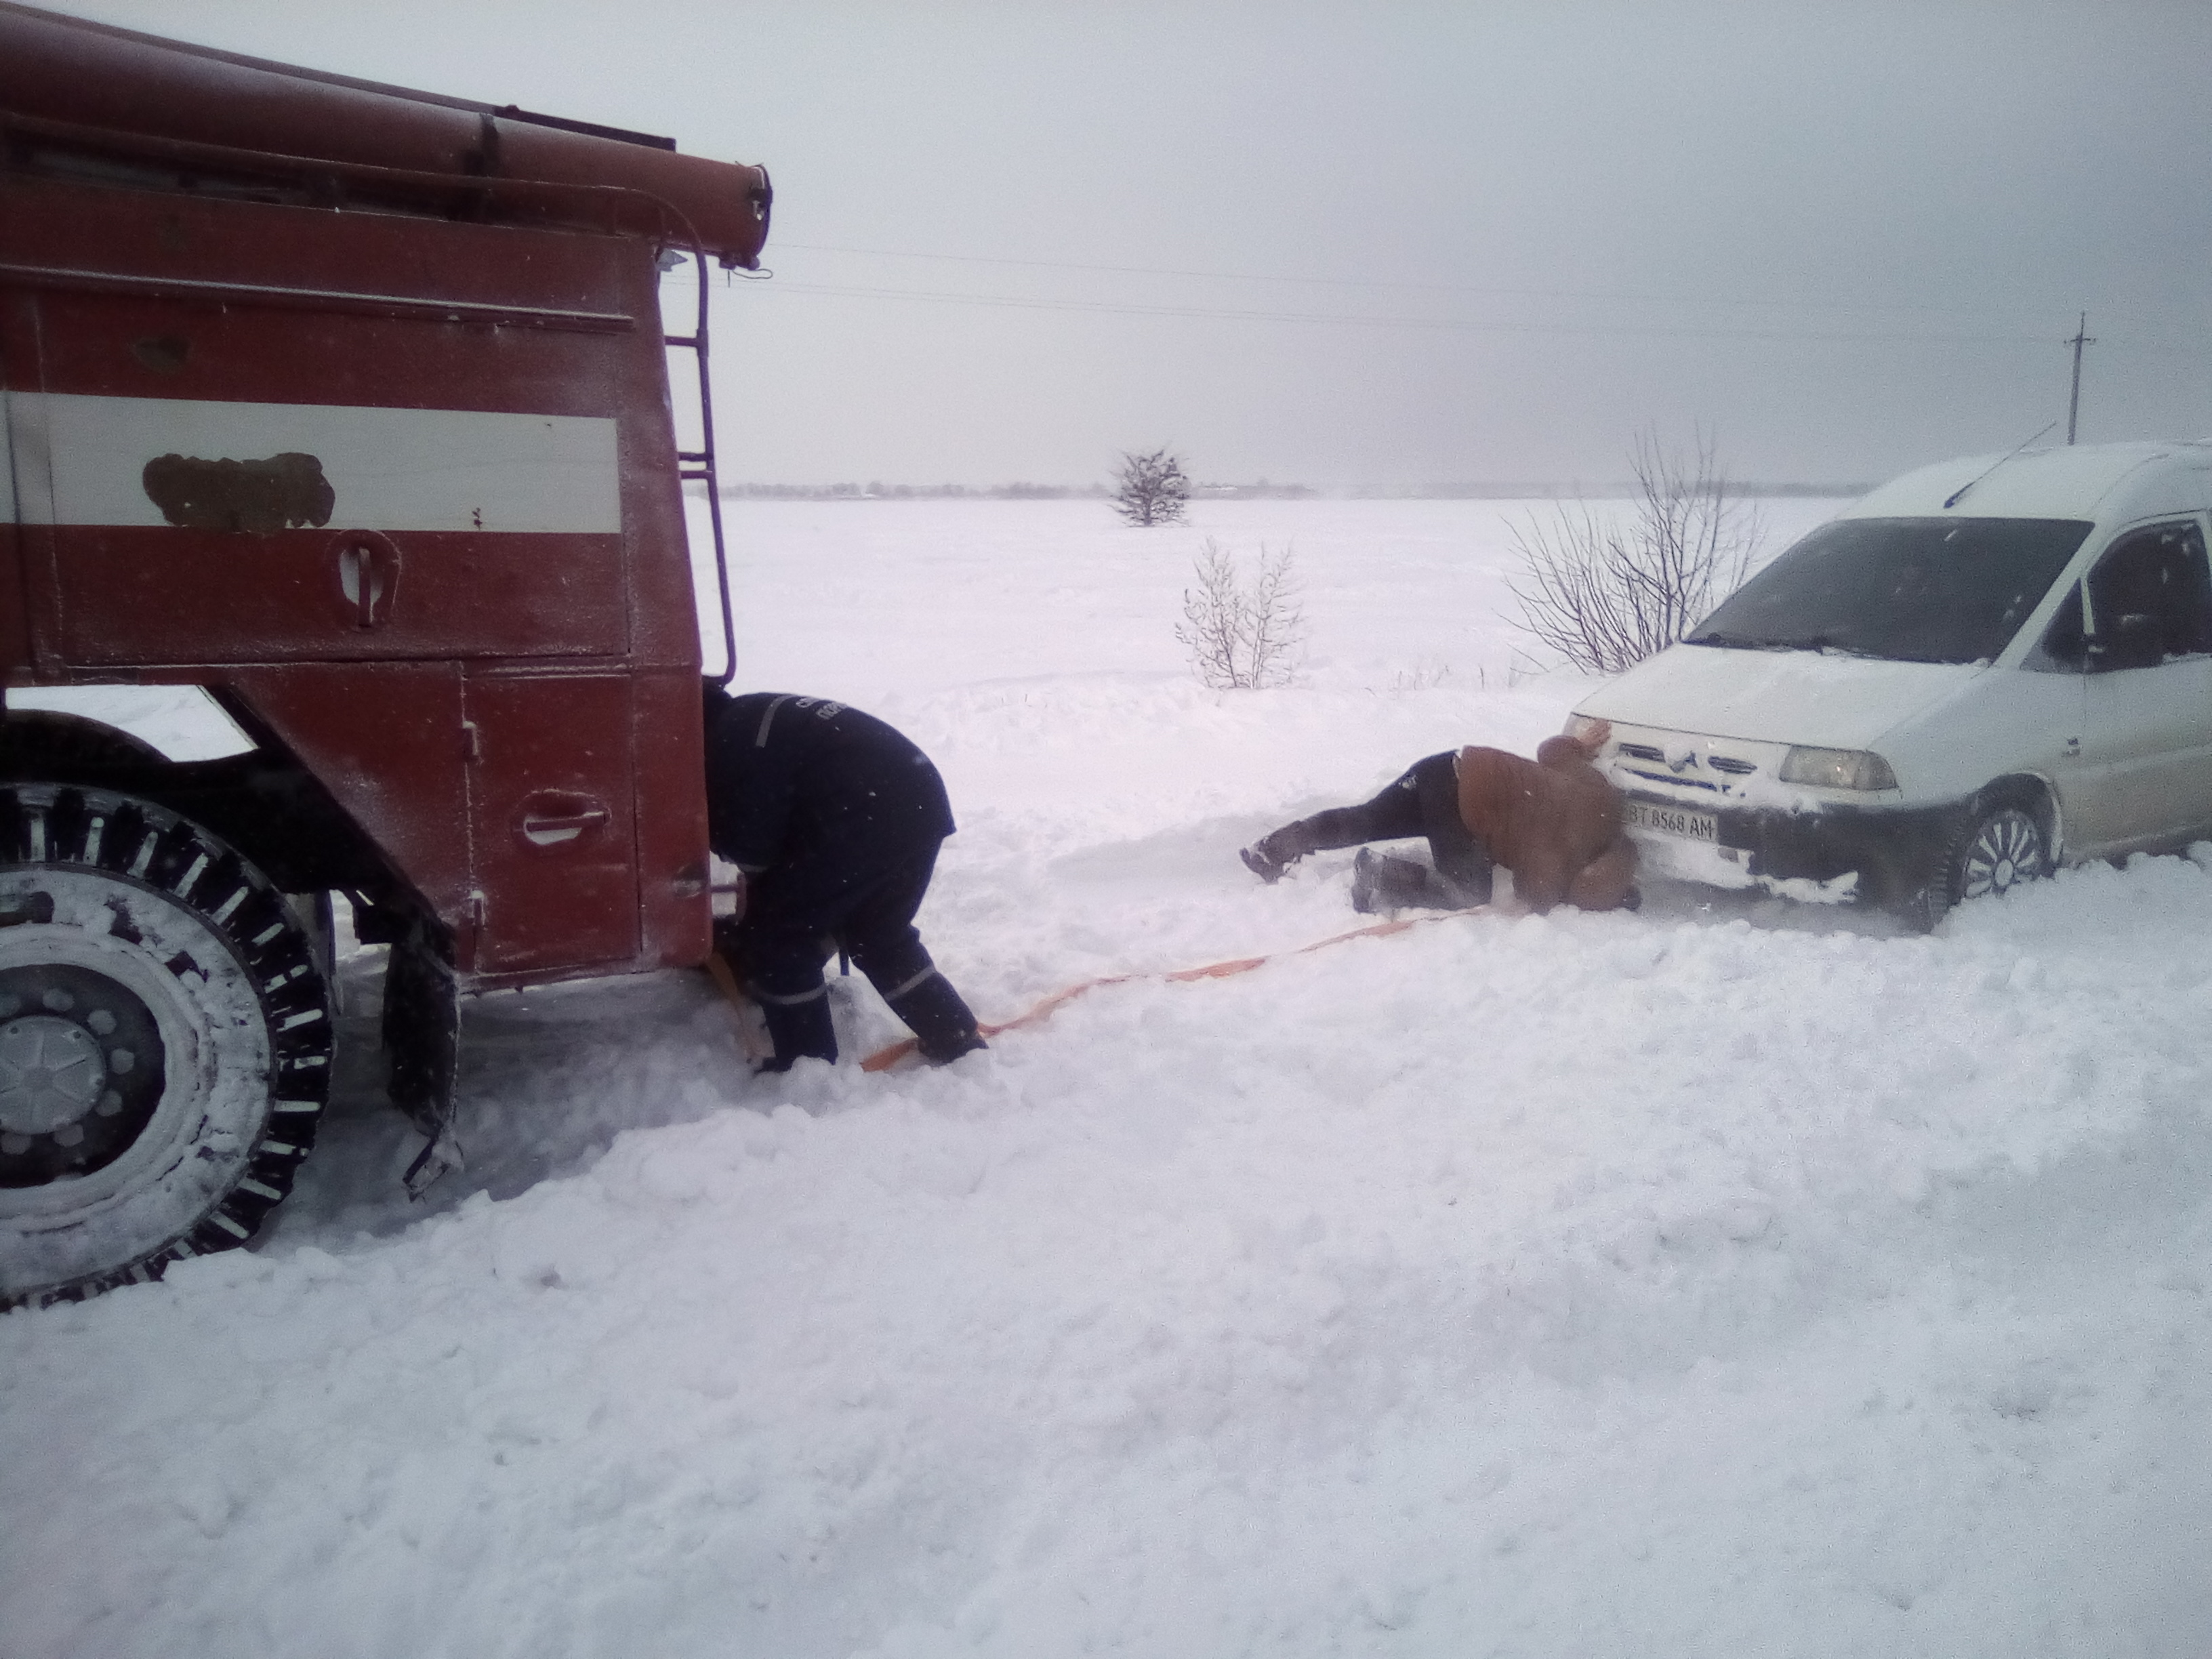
<point x="1823" y="641"/>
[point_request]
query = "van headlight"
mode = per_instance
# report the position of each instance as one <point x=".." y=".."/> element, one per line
<point x="1838" y="769"/>
<point x="1579" y="726"/>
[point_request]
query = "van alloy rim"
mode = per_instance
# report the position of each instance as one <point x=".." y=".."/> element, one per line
<point x="2005" y="852"/>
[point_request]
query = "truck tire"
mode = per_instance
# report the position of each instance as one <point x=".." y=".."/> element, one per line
<point x="165" y="1043"/>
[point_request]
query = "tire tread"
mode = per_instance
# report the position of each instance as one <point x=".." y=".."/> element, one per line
<point x="140" y="842"/>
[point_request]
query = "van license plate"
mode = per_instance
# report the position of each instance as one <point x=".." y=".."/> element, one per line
<point x="1645" y="817"/>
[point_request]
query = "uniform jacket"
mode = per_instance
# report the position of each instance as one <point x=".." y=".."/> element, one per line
<point x="1554" y="822"/>
<point x="795" y="782"/>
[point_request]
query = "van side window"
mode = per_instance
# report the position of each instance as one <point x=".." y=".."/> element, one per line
<point x="2149" y="599"/>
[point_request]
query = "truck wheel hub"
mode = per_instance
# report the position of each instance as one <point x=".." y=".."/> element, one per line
<point x="52" y="1072"/>
<point x="82" y="1065"/>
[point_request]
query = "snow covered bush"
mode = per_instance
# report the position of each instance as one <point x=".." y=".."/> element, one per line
<point x="1242" y="636"/>
<point x="1150" y="489"/>
<point x="1606" y="594"/>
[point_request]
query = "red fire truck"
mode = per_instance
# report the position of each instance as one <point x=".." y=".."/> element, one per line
<point x="349" y="404"/>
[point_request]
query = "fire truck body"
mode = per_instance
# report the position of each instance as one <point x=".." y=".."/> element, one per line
<point x="351" y="405"/>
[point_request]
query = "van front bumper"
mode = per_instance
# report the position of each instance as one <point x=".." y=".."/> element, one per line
<point x="1892" y="850"/>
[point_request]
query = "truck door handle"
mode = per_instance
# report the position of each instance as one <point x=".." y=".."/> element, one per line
<point x="555" y="817"/>
<point x="368" y="575"/>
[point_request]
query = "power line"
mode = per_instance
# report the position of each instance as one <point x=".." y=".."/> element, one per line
<point x="1384" y="283"/>
<point x="1463" y="324"/>
<point x="1443" y="324"/>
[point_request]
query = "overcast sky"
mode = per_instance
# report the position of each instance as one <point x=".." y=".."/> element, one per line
<point x="1388" y="243"/>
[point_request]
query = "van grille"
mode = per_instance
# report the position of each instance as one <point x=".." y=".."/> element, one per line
<point x="1657" y="756"/>
<point x="1678" y="782"/>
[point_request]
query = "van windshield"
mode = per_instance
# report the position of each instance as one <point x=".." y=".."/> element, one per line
<point x="1906" y="590"/>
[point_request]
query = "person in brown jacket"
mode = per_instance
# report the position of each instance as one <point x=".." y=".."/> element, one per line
<point x="1554" y="822"/>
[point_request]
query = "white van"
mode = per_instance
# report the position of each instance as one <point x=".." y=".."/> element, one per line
<point x="1980" y="670"/>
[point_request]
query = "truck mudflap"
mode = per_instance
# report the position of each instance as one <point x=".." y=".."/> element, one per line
<point x="421" y="1036"/>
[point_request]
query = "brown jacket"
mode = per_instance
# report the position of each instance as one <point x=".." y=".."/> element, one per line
<point x="1554" y="822"/>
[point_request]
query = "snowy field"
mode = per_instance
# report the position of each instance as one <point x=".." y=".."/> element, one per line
<point x="1727" y="1278"/>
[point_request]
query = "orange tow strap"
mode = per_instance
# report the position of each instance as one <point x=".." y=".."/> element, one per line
<point x="727" y="982"/>
<point x="884" y="1057"/>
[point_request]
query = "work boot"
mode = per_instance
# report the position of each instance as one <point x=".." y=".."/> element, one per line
<point x="1274" y="852"/>
<point x="939" y="1017"/>
<point x="1381" y="883"/>
<point x="800" y="1026"/>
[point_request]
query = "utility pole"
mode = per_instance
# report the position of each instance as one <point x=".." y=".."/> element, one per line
<point x="2081" y="337"/>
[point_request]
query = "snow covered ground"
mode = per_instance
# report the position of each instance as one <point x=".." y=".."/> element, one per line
<point x="1725" y="1279"/>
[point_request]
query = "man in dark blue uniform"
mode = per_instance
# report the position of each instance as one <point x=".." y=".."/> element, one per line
<point x="834" y="820"/>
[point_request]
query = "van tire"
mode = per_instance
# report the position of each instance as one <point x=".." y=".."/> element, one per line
<point x="2000" y="848"/>
<point x="165" y="1043"/>
<point x="2003" y="841"/>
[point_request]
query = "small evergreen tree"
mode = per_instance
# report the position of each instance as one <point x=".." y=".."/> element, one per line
<point x="1150" y="489"/>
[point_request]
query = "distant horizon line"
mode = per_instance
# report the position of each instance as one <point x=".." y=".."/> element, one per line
<point x="1521" y="489"/>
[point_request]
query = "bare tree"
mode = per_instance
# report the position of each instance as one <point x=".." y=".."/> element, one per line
<point x="1274" y="623"/>
<point x="1213" y="626"/>
<point x="1606" y="595"/>
<point x="1243" y="637"/>
<point x="1150" y="489"/>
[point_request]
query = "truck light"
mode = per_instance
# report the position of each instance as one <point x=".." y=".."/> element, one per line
<point x="1579" y="726"/>
<point x="1838" y="769"/>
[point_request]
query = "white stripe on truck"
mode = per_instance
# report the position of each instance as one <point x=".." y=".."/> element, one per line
<point x="81" y="460"/>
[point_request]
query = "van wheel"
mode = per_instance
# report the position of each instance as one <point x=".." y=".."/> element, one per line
<point x="165" y="1043"/>
<point x="2001" y="848"/>
<point x="2002" y="844"/>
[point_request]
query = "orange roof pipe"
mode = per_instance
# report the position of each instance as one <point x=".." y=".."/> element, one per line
<point x="125" y="83"/>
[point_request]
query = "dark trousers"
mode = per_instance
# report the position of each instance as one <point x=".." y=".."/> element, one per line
<point x="1424" y="800"/>
<point x="797" y="916"/>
